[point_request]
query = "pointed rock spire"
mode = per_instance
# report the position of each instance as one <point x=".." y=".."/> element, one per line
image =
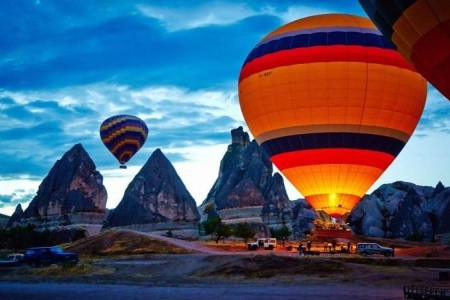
<point x="16" y="216"/>
<point x="72" y="185"/>
<point x="156" y="194"/>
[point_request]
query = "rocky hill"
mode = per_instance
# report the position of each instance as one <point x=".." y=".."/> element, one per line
<point x="246" y="189"/>
<point x="156" y="199"/>
<point x="403" y="210"/>
<point x="4" y="220"/>
<point x="72" y="194"/>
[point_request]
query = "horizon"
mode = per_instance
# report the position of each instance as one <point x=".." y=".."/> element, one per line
<point x="198" y="204"/>
<point x="66" y="67"/>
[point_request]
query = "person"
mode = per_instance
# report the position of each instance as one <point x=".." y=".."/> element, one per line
<point x="300" y="250"/>
<point x="349" y="247"/>
<point x="308" y="245"/>
<point x="330" y="246"/>
<point x="325" y="246"/>
<point x="393" y="249"/>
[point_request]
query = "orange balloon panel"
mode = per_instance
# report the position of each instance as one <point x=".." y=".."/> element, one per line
<point x="420" y="29"/>
<point x="332" y="103"/>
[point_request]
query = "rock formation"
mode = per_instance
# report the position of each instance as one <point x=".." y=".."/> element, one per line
<point x="158" y="199"/>
<point x="71" y="194"/>
<point x="403" y="210"/>
<point x="303" y="217"/>
<point x="246" y="190"/>
<point x="4" y="219"/>
<point x="16" y="217"/>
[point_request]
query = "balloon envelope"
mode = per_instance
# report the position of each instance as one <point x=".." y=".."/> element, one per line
<point x="421" y="31"/>
<point x="123" y="135"/>
<point x="332" y="103"/>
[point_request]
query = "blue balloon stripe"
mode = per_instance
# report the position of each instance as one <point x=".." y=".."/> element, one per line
<point x="320" y="39"/>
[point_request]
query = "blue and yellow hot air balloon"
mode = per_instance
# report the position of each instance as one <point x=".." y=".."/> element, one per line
<point x="123" y="135"/>
<point x="333" y="103"/>
<point x="420" y="29"/>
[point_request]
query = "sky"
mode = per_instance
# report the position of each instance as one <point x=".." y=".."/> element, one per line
<point x="65" y="66"/>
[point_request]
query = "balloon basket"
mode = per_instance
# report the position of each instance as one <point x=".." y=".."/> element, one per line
<point x="123" y="167"/>
<point x="332" y="233"/>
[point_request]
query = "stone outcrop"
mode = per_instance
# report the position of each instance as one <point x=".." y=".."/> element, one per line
<point x="303" y="218"/>
<point x="16" y="217"/>
<point x="403" y="210"/>
<point x="156" y="199"/>
<point x="72" y="194"/>
<point x="4" y="219"/>
<point x="246" y="189"/>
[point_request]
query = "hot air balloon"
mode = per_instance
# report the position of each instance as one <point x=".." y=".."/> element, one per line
<point x="123" y="135"/>
<point x="332" y="103"/>
<point x="420" y="29"/>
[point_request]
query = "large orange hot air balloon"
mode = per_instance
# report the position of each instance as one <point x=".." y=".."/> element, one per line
<point x="332" y="103"/>
<point x="123" y="135"/>
<point x="421" y="31"/>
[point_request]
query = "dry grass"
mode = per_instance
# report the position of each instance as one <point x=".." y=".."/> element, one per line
<point x="114" y="243"/>
<point x="265" y="266"/>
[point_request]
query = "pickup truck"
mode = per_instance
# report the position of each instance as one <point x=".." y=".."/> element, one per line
<point x="45" y="256"/>
<point x="12" y="260"/>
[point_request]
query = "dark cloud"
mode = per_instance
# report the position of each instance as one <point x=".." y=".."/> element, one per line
<point x="49" y="130"/>
<point x="17" y="197"/>
<point x="5" y="199"/>
<point x="129" y="49"/>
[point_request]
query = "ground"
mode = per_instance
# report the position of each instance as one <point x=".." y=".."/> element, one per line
<point x="126" y="257"/>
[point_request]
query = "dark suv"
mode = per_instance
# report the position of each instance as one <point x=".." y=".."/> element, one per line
<point x="366" y="249"/>
<point x="44" y="256"/>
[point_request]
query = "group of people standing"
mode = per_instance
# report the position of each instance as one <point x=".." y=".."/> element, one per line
<point x="327" y="247"/>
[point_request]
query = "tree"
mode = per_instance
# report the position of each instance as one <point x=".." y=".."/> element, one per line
<point x="211" y="224"/>
<point x="244" y="230"/>
<point x="282" y="233"/>
<point x="223" y="231"/>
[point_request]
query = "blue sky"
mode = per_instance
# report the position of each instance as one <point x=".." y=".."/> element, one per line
<point x="65" y="66"/>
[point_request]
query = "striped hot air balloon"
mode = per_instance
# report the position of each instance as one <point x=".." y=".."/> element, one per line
<point x="123" y="135"/>
<point x="421" y="31"/>
<point x="333" y="103"/>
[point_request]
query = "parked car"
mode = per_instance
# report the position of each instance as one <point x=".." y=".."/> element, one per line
<point x="14" y="259"/>
<point x="366" y="249"/>
<point x="44" y="256"/>
<point x="266" y="243"/>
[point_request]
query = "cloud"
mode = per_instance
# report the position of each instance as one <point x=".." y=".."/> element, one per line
<point x="224" y="13"/>
<point x="45" y="129"/>
<point x="16" y="191"/>
<point x="194" y="16"/>
<point x="436" y="115"/>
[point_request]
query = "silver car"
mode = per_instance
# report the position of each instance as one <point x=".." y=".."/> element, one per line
<point x="366" y="249"/>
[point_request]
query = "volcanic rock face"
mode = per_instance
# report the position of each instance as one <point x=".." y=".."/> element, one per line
<point x="156" y="194"/>
<point x="16" y="217"/>
<point x="72" y="186"/>
<point x="403" y="210"/>
<point x="246" y="190"/>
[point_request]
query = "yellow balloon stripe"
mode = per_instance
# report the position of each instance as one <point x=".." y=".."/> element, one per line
<point x="331" y="20"/>
<point x="124" y="129"/>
